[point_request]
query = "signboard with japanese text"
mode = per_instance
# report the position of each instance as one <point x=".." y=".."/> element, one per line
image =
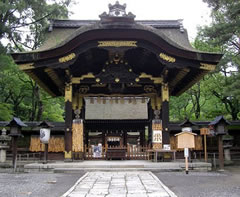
<point x="205" y="131"/>
<point x="157" y="136"/>
<point x="97" y="151"/>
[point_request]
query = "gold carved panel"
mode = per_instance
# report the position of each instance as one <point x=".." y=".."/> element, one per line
<point x="68" y="92"/>
<point x="209" y="67"/>
<point x="117" y="43"/>
<point x="167" y="58"/>
<point x="67" y="58"/>
<point x="157" y="146"/>
<point x="165" y="92"/>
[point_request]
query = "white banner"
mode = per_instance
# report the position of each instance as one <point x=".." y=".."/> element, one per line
<point x="157" y="136"/>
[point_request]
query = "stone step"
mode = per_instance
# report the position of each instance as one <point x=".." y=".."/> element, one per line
<point x="112" y="166"/>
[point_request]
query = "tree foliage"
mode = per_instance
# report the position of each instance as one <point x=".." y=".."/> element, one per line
<point x="23" y="25"/>
<point x="219" y="92"/>
<point x="224" y="32"/>
<point x="23" y="21"/>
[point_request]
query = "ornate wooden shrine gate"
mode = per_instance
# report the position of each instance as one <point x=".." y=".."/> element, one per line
<point x="115" y="57"/>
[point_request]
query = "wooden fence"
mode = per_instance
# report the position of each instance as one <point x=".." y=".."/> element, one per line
<point x="132" y="152"/>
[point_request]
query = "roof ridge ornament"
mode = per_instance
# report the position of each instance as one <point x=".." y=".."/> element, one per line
<point x="181" y="25"/>
<point x="117" y="13"/>
<point x="117" y="9"/>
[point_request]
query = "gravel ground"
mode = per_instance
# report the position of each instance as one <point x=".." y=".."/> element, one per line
<point x="202" y="184"/>
<point x="36" y="184"/>
<point x="195" y="184"/>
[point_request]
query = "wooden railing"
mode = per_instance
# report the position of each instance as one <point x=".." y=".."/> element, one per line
<point x="133" y="152"/>
<point x="26" y="156"/>
<point x="137" y="152"/>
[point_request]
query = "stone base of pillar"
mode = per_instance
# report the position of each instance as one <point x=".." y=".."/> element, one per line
<point x="68" y="156"/>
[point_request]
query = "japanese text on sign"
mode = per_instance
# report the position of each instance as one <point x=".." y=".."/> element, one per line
<point x="157" y="136"/>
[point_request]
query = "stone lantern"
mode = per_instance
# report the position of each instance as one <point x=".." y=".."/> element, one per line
<point x="15" y="132"/>
<point x="4" y="139"/>
<point x="220" y="128"/>
<point x="45" y="132"/>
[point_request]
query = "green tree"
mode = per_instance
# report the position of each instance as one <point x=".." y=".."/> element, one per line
<point x="22" y="21"/>
<point x="207" y="98"/>
<point x="224" y="32"/>
<point x="23" y="24"/>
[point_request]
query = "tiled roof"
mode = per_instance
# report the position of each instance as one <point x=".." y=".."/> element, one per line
<point x="158" y="24"/>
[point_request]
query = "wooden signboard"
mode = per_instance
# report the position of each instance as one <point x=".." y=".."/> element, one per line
<point x="204" y="131"/>
<point x="185" y="140"/>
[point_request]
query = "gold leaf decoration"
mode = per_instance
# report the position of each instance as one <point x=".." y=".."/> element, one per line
<point x="209" y="67"/>
<point x="26" y="66"/>
<point x="116" y="43"/>
<point x="67" y="58"/>
<point x="167" y="58"/>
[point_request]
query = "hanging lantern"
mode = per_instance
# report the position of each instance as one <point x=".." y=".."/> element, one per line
<point x="45" y="132"/>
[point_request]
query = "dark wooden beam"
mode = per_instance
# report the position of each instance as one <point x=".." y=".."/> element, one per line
<point x="189" y="81"/>
<point x="180" y="75"/>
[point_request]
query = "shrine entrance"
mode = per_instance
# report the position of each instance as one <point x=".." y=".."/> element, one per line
<point x="116" y="75"/>
<point x="120" y="128"/>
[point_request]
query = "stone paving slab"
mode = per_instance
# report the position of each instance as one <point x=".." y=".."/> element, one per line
<point x="119" y="184"/>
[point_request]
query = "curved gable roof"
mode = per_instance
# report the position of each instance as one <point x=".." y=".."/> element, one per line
<point x="175" y="36"/>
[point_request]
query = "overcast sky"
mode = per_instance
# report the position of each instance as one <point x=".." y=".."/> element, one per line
<point x="193" y="12"/>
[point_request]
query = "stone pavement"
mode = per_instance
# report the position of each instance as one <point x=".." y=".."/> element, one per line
<point x="115" y="165"/>
<point x="119" y="184"/>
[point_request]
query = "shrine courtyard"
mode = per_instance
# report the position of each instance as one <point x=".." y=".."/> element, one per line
<point x="47" y="184"/>
<point x="117" y="75"/>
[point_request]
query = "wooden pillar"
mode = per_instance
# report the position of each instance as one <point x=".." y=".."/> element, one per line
<point x="45" y="153"/>
<point x="86" y="137"/>
<point x="68" y="122"/>
<point x="103" y="138"/>
<point x="220" y="151"/>
<point x="150" y="117"/>
<point x="125" y="137"/>
<point x="142" y="136"/>
<point x="165" y="113"/>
